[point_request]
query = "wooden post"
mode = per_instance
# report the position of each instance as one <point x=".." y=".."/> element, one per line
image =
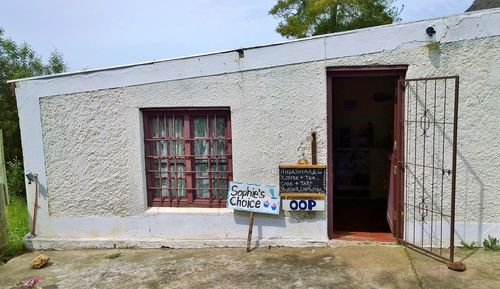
<point x="4" y="235"/>
<point x="3" y="174"/>
<point x="314" y="150"/>
<point x="35" y="208"/>
<point x="250" y="227"/>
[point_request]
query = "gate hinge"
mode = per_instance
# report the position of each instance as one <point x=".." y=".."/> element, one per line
<point x="401" y="167"/>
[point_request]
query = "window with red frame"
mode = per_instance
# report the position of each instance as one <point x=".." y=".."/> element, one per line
<point x="188" y="156"/>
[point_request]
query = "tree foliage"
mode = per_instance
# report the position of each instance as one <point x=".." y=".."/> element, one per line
<point x="19" y="61"/>
<point x="483" y="4"/>
<point x="303" y="18"/>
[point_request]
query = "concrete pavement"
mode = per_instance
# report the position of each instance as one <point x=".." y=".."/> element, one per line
<point x="347" y="267"/>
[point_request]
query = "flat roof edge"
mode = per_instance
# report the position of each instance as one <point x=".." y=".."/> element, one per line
<point x="152" y="62"/>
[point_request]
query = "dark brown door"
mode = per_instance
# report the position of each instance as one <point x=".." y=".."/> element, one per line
<point x="334" y="74"/>
<point x="394" y="174"/>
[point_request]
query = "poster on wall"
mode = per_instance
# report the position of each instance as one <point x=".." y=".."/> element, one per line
<point x="256" y="198"/>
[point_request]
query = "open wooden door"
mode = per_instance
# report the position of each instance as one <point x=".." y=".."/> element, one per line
<point x="394" y="191"/>
<point x="361" y="106"/>
<point x="391" y="200"/>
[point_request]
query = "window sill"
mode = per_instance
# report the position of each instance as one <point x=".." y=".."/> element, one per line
<point x="194" y="211"/>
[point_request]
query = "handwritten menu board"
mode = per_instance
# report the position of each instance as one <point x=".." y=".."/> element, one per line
<point x="302" y="179"/>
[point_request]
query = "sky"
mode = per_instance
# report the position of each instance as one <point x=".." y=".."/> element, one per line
<point x="101" y="33"/>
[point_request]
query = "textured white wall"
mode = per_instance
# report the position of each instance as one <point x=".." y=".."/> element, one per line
<point x="85" y="145"/>
<point x="94" y="153"/>
<point x="93" y="148"/>
<point x="88" y="146"/>
<point x="477" y="63"/>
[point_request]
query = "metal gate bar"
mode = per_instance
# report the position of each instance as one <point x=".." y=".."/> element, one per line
<point x="428" y="164"/>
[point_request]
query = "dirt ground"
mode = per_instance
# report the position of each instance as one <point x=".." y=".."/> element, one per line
<point x="348" y="267"/>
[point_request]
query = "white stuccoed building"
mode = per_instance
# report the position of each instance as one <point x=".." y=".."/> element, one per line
<point x="140" y="154"/>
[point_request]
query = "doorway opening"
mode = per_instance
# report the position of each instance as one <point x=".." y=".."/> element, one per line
<point x="362" y="121"/>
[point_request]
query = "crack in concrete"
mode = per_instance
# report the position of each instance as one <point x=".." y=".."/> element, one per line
<point x="103" y="274"/>
<point x="420" y="282"/>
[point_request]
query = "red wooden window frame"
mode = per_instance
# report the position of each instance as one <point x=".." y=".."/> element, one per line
<point x="174" y="151"/>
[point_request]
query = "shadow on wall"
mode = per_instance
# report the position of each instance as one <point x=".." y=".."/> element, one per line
<point x="434" y="53"/>
<point x="260" y="221"/>
<point x="268" y="220"/>
<point x="276" y="221"/>
<point x="42" y="194"/>
<point x="476" y="179"/>
<point x="472" y="180"/>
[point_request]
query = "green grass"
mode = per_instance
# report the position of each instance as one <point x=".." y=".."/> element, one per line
<point x="17" y="222"/>
<point x="114" y="256"/>
<point x="491" y="244"/>
<point x="468" y="246"/>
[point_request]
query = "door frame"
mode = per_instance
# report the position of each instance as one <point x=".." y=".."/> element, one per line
<point x="363" y="71"/>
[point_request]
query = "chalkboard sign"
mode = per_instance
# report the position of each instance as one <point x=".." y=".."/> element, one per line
<point x="308" y="179"/>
